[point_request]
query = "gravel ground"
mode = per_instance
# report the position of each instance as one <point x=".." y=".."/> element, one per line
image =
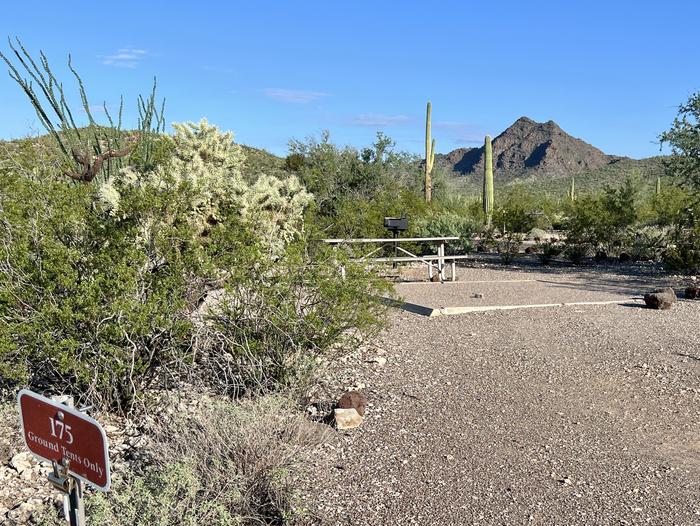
<point x="571" y="415"/>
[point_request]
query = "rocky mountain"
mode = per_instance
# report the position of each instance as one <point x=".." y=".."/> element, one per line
<point x="529" y="148"/>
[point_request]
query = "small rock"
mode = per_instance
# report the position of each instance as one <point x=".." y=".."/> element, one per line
<point x="21" y="462"/>
<point x="660" y="298"/>
<point x="353" y="400"/>
<point x="379" y="360"/>
<point x="347" y="418"/>
<point x="478" y="295"/>
<point x="692" y="292"/>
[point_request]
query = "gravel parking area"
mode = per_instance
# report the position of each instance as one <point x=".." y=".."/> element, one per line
<point x="574" y="415"/>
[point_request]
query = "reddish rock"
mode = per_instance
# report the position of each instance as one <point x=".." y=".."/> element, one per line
<point x="353" y="400"/>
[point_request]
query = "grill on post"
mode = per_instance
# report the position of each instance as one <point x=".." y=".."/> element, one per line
<point x="396" y="225"/>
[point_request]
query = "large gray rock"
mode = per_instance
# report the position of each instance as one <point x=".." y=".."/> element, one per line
<point x="660" y="298"/>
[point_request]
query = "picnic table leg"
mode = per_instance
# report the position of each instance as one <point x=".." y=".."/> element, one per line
<point x="454" y="275"/>
<point x="430" y="270"/>
<point x="441" y="262"/>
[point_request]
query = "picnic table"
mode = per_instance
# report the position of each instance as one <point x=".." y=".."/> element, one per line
<point x="434" y="262"/>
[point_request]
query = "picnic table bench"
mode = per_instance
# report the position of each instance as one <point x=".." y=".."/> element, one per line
<point x="434" y="262"/>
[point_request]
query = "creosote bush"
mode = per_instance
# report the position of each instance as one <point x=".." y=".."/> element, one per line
<point x="102" y="284"/>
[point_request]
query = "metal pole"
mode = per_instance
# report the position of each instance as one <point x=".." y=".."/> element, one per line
<point x="441" y="262"/>
<point x="73" y="506"/>
<point x="75" y="503"/>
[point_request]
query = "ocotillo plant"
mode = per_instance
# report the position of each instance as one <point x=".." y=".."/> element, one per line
<point x="658" y="185"/>
<point x="487" y="197"/>
<point x="90" y="150"/>
<point x="572" y="190"/>
<point x="429" y="157"/>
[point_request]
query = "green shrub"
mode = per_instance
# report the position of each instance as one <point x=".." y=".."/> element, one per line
<point x="576" y="252"/>
<point x="446" y="223"/>
<point x="275" y="318"/>
<point x="508" y="247"/>
<point x="225" y="464"/>
<point x="548" y="250"/>
<point x="646" y="243"/>
<point x="683" y="251"/>
<point x="101" y="284"/>
<point x="521" y="210"/>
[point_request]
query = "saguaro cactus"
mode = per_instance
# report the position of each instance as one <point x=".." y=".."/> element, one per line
<point x="429" y="157"/>
<point x="572" y="190"/>
<point x="658" y="185"/>
<point x="487" y="197"/>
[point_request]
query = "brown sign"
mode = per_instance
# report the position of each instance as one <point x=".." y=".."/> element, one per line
<point x="56" y="432"/>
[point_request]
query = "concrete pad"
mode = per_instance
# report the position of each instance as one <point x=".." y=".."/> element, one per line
<point x="436" y="299"/>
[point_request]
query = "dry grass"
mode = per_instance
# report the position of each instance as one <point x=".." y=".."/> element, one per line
<point x="10" y="439"/>
<point x="226" y="464"/>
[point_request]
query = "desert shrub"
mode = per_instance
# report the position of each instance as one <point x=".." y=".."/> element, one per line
<point x="447" y="223"/>
<point x="576" y="252"/>
<point x="101" y="283"/>
<point x="340" y="175"/>
<point x="684" y="140"/>
<point x="266" y="328"/>
<point x="683" y="251"/>
<point x="508" y="247"/>
<point x="521" y="210"/>
<point x="646" y="243"/>
<point x="548" y="250"/>
<point x="622" y="204"/>
<point x="669" y="207"/>
<point x="228" y="464"/>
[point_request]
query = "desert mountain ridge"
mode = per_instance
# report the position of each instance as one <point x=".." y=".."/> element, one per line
<point x="529" y="147"/>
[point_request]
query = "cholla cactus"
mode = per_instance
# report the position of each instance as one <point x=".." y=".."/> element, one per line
<point x="275" y="207"/>
<point x="208" y="160"/>
<point x="209" y="163"/>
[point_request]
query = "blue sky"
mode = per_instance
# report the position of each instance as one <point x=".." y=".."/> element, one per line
<point x="611" y="73"/>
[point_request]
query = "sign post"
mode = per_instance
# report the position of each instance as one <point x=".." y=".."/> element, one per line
<point x="74" y="443"/>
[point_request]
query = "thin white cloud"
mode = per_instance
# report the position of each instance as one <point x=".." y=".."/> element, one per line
<point x="125" y="58"/>
<point x="294" y="96"/>
<point x="380" y="120"/>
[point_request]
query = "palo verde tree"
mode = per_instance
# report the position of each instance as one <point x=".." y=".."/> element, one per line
<point x="684" y="140"/>
<point x="94" y="149"/>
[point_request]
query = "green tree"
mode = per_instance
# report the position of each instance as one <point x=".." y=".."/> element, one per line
<point x="684" y="140"/>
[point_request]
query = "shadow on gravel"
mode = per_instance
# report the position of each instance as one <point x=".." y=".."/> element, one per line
<point x="684" y="355"/>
